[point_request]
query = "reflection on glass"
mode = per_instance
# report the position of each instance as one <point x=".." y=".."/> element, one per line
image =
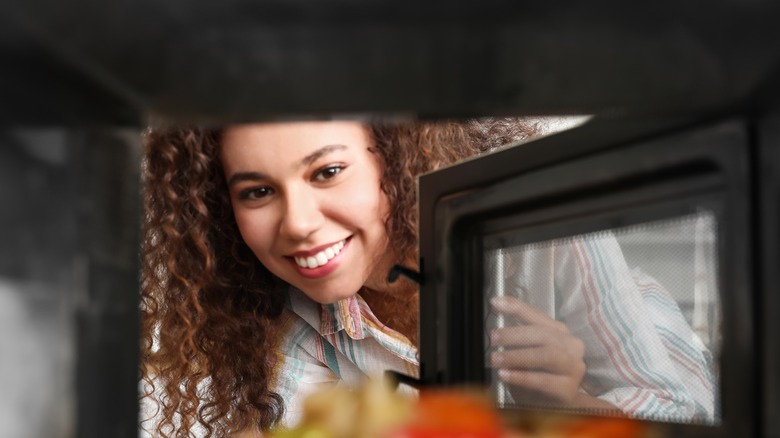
<point x="619" y="321"/>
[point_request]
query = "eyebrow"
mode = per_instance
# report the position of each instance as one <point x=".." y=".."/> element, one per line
<point x="305" y="161"/>
<point x="312" y="157"/>
<point x="244" y="176"/>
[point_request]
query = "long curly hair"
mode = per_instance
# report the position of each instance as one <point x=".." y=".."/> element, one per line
<point x="208" y="305"/>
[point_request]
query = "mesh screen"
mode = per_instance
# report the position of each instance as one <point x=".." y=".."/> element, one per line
<point x="623" y="321"/>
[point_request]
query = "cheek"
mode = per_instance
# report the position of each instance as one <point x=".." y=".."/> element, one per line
<point x="370" y="194"/>
<point x="254" y="231"/>
<point x="375" y="218"/>
<point x="371" y="206"/>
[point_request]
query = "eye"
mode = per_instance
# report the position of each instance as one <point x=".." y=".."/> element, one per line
<point x="328" y="172"/>
<point x="255" y="193"/>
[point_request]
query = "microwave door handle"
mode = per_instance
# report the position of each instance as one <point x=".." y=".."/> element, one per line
<point x="500" y="290"/>
<point x="395" y="378"/>
<point x="411" y="274"/>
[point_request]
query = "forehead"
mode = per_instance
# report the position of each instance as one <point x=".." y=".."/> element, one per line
<point x="280" y="149"/>
<point x="295" y="135"/>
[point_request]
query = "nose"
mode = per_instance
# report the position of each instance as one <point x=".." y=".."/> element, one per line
<point x="302" y="215"/>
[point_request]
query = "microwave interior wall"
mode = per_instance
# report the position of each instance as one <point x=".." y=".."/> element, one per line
<point x="768" y="136"/>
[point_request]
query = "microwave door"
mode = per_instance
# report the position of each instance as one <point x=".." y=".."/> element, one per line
<point x="634" y="244"/>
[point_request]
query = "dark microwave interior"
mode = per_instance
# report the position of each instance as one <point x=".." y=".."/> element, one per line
<point x="679" y="169"/>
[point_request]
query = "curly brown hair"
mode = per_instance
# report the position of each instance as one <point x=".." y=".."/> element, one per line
<point x="209" y="306"/>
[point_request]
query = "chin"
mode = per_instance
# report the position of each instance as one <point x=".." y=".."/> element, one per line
<point x="326" y="298"/>
<point x="331" y="290"/>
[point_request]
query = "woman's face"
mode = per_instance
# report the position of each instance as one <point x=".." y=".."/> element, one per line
<point x="307" y="201"/>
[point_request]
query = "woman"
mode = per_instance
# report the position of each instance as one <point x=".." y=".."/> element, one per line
<point x="266" y="253"/>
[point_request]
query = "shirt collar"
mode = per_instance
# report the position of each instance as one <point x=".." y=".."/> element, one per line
<point x="327" y="319"/>
<point x="354" y="317"/>
<point x="349" y="314"/>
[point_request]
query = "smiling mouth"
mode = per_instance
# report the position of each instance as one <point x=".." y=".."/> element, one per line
<point x="321" y="258"/>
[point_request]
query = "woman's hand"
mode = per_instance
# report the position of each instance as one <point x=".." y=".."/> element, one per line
<point x="541" y="360"/>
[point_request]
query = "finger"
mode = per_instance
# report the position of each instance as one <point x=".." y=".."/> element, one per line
<point x="540" y="359"/>
<point x="561" y="388"/>
<point x="524" y="336"/>
<point x="536" y="336"/>
<point x="524" y="312"/>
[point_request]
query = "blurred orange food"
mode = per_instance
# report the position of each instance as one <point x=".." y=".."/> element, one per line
<point x="451" y="414"/>
<point x="374" y="410"/>
<point x="604" y="427"/>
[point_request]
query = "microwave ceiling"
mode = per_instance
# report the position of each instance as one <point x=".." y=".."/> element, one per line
<point x="119" y="62"/>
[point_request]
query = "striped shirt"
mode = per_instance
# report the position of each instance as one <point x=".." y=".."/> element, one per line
<point x="339" y="343"/>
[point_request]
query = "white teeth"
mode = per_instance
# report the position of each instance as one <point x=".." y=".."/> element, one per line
<point x="322" y="257"/>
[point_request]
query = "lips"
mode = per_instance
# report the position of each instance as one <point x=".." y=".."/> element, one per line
<point x="321" y="257"/>
<point x="332" y="255"/>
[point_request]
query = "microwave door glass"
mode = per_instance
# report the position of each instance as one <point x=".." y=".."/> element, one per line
<point x="644" y="302"/>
